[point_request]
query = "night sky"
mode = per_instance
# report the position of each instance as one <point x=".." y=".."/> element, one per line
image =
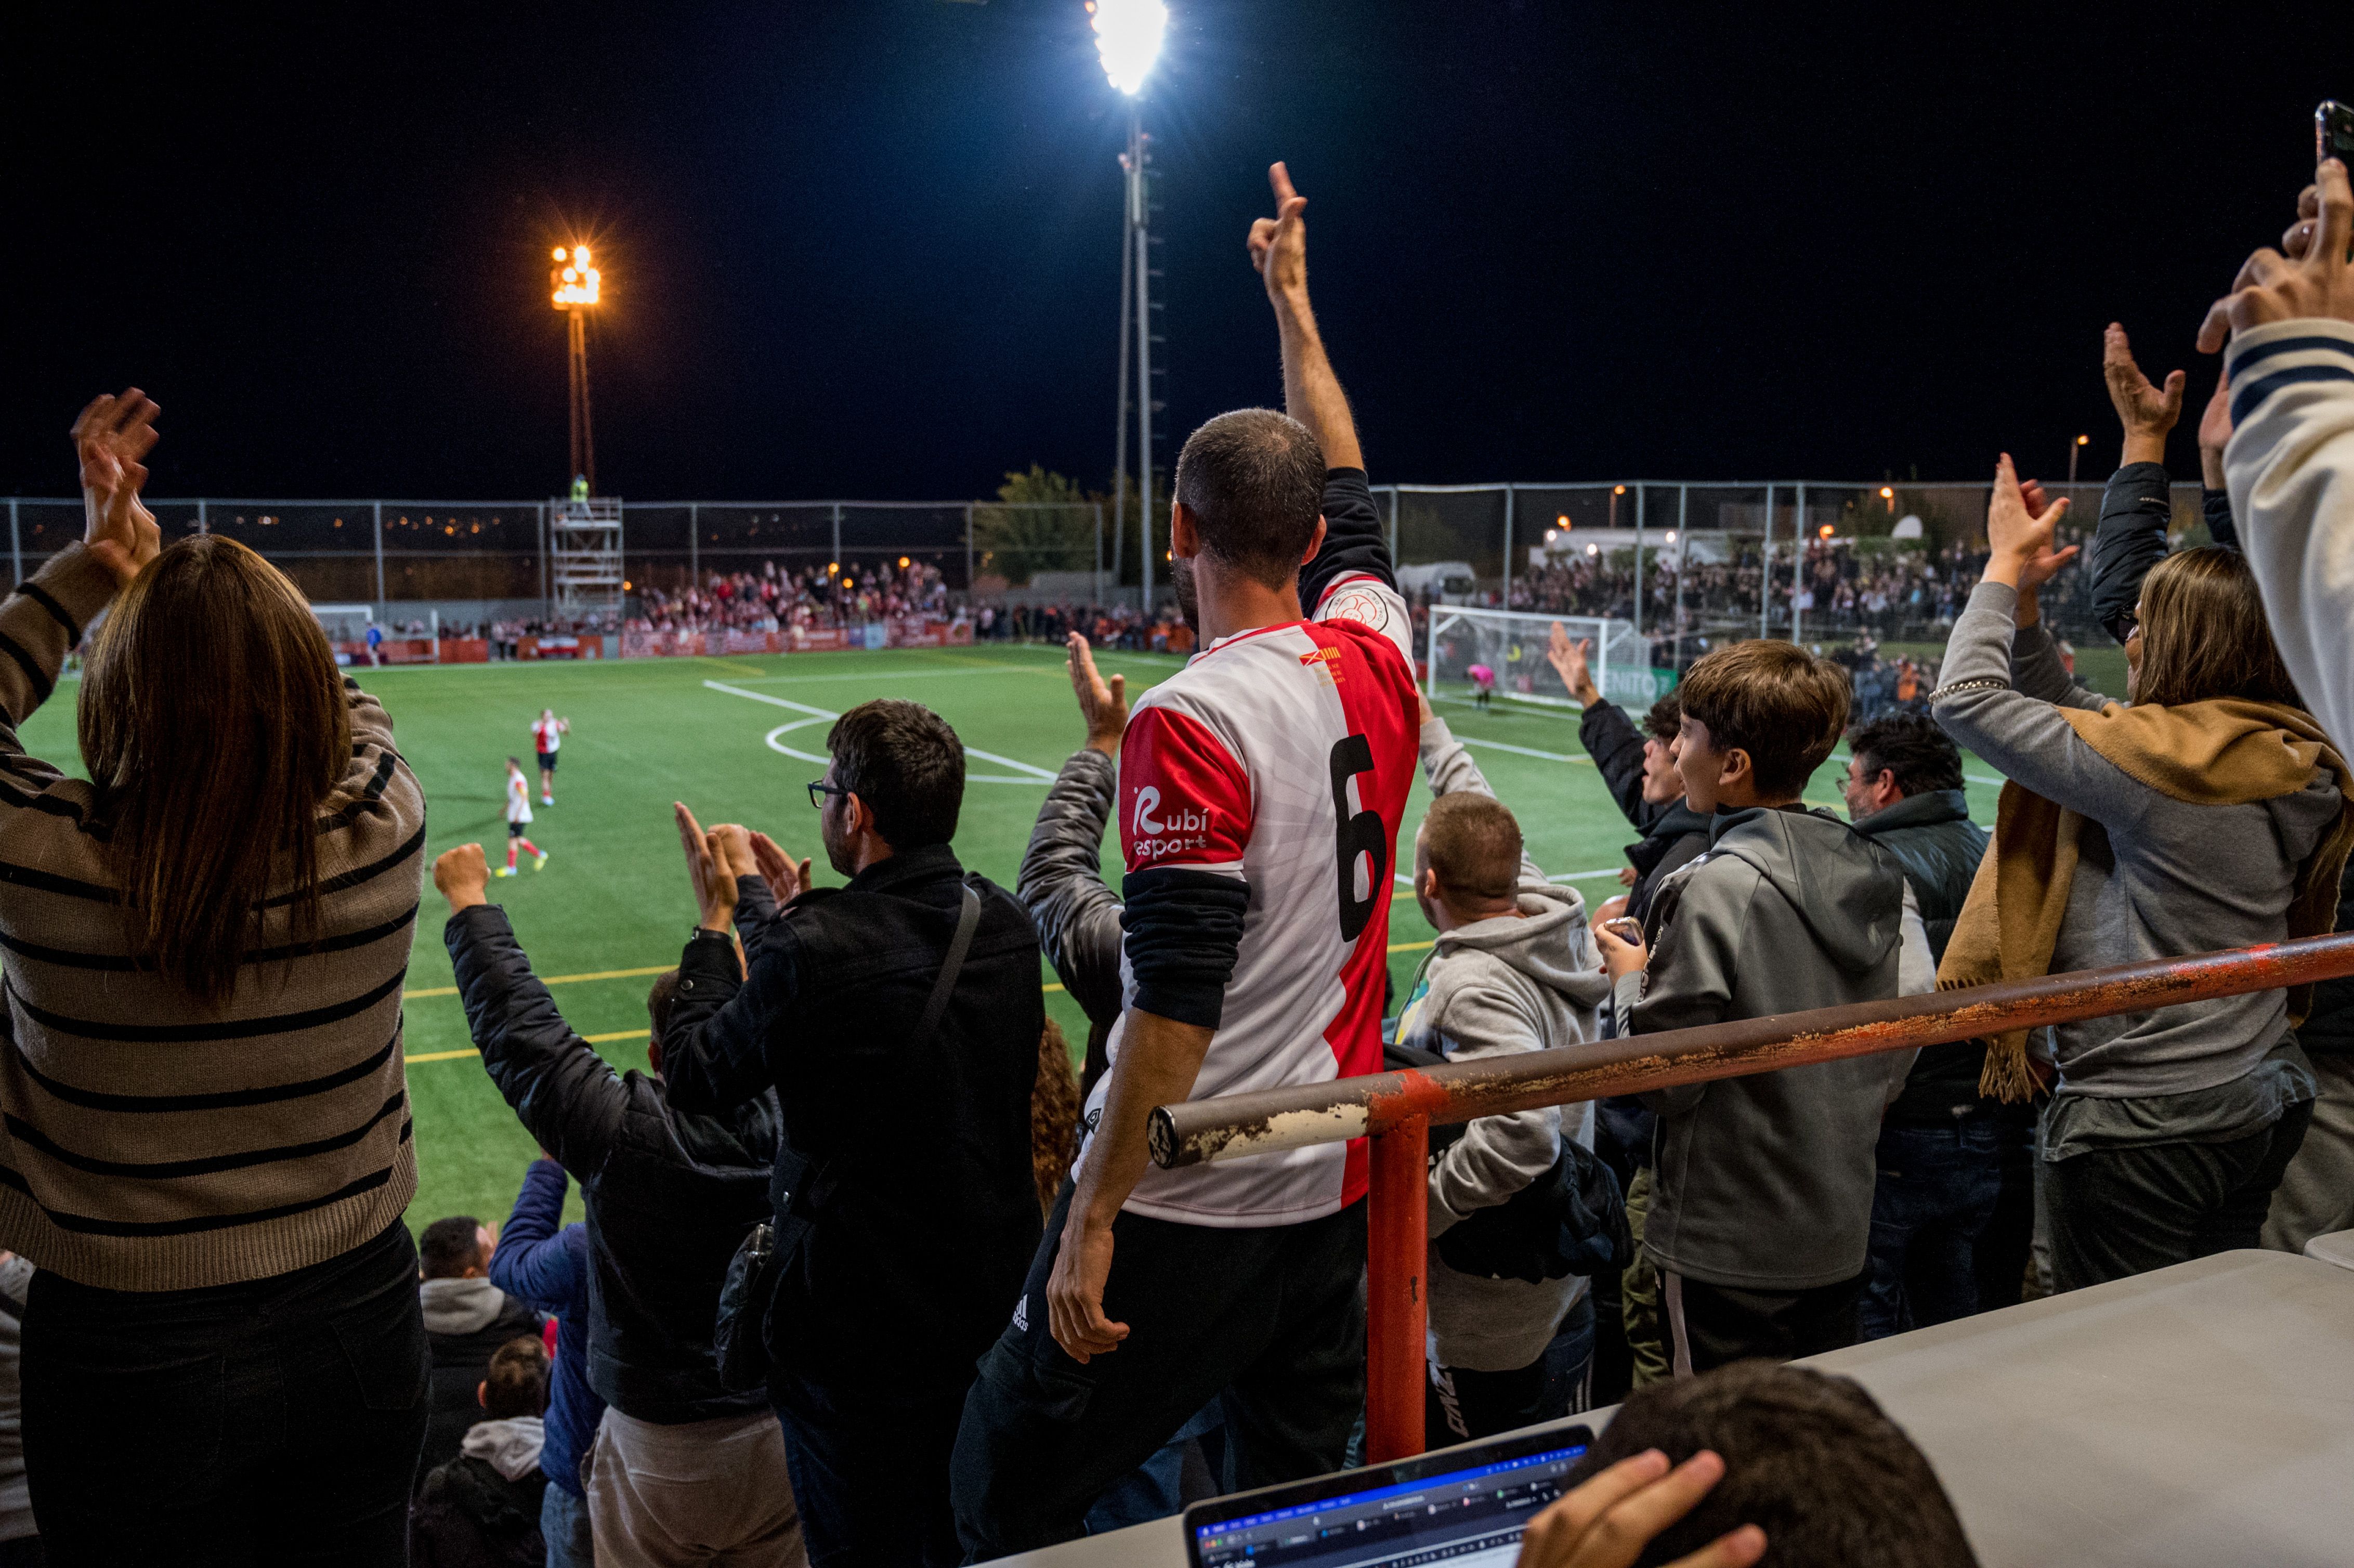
<point x="871" y="250"/>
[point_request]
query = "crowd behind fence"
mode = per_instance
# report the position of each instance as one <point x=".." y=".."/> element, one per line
<point x="1688" y="563"/>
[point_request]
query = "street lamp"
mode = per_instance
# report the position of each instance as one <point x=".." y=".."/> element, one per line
<point x="2080" y="443"/>
<point x="577" y="286"/>
<point x="1128" y="41"/>
<point x="1888" y="495"/>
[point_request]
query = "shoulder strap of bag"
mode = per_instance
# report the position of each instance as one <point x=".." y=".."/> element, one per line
<point x="968" y="922"/>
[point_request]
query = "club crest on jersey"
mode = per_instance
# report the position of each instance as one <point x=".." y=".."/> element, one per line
<point x="1363" y="605"/>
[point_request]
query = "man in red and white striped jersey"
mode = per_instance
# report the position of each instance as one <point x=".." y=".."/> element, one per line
<point x="1260" y="794"/>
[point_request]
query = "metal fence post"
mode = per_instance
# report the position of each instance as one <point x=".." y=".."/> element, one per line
<point x="1766" y="571"/>
<point x="1638" y="560"/>
<point x="1508" y="547"/>
<point x="1397" y="1250"/>
<point x="546" y="567"/>
<point x="15" y="543"/>
<point x="1798" y="570"/>
<point x="1683" y="548"/>
<point x="837" y="535"/>
<point x="968" y="550"/>
<point x="375" y="509"/>
<point x="1099" y="583"/>
<point x="694" y="538"/>
<point x="203" y="524"/>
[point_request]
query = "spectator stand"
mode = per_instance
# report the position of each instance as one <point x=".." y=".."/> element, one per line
<point x="1396" y="1109"/>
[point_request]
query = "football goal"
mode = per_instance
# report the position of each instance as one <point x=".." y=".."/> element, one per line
<point x="1511" y="644"/>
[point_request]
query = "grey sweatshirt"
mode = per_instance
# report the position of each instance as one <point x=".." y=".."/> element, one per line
<point x="1496" y="988"/>
<point x="1764" y="1182"/>
<point x="2290" y="467"/>
<point x="2156" y="877"/>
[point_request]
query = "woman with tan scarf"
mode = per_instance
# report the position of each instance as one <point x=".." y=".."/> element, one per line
<point x="2211" y="813"/>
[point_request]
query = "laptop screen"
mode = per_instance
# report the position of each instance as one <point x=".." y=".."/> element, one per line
<point x="1471" y="1516"/>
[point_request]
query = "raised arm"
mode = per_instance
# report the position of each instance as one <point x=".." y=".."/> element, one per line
<point x="565" y="1096"/>
<point x="2290" y="463"/>
<point x="2137" y="505"/>
<point x="1311" y="393"/>
<point x="1061" y="881"/>
<point x="534" y="1259"/>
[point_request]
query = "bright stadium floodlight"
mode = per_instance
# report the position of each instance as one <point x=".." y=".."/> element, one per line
<point x="1127" y="39"/>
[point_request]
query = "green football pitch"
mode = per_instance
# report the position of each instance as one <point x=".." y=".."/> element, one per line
<point x="612" y="907"/>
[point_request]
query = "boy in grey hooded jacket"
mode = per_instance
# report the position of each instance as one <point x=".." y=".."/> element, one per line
<point x="1513" y="969"/>
<point x="1762" y="1214"/>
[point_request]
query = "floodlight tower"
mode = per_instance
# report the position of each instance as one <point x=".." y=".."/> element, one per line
<point x="577" y="286"/>
<point x="1127" y="40"/>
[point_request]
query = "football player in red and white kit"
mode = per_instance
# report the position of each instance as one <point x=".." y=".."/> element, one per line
<point x="548" y="733"/>
<point x="1260" y="794"/>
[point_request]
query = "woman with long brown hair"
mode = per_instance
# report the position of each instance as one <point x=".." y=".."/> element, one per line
<point x="2211" y="812"/>
<point x="204" y="1119"/>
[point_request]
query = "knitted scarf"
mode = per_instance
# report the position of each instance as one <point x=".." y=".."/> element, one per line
<point x="2224" y="752"/>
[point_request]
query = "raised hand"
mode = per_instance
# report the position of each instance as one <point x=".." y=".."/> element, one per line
<point x="2014" y="532"/>
<point x="1278" y="244"/>
<point x="706" y="872"/>
<point x="1568" y="661"/>
<point x="1102" y="704"/>
<point x="1608" y="1520"/>
<point x="787" y="878"/>
<point x="463" y="876"/>
<point x="2272" y="287"/>
<point x="111" y="438"/>
<point x="2146" y="412"/>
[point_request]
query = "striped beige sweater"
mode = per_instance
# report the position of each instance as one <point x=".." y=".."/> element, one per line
<point x="147" y="1143"/>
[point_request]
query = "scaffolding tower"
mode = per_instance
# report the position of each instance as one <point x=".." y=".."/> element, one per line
<point x="584" y="554"/>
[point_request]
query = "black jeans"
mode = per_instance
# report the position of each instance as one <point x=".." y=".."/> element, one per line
<point x="1938" y="1199"/>
<point x="1709" y="1326"/>
<point x="274" y="1422"/>
<point x="1273" y="1317"/>
<point x="2122" y="1211"/>
<point x="870" y="1474"/>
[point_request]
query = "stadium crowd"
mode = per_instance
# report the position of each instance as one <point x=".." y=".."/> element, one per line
<point x="866" y="1277"/>
<point x="777" y="600"/>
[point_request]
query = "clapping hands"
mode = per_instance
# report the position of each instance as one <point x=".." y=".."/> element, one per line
<point x="110" y="439"/>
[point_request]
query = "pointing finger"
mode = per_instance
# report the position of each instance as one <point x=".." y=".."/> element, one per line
<point x="1279" y="178"/>
<point x="2337" y="220"/>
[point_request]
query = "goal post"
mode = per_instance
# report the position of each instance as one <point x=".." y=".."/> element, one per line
<point x="1512" y="644"/>
<point x="345" y="626"/>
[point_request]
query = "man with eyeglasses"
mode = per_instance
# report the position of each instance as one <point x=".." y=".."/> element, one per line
<point x="898" y="1020"/>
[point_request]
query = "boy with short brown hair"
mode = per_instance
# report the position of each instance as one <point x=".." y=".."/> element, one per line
<point x="1762" y="1209"/>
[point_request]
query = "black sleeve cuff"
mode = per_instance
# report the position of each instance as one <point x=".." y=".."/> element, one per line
<point x="2215" y="506"/>
<point x="1184" y="929"/>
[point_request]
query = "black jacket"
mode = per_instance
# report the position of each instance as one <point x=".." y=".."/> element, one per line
<point x="670" y="1194"/>
<point x="1060" y="883"/>
<point x="1673" y="834"/>
<point x="908" y="1158"/>
<point x="460" y="1362"/>
<point x="2136" y="511"/>
<point x="467" y="1515"/>
<point x="1935" y="843"/>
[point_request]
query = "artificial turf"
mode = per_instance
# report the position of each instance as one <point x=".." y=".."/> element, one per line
<point x="612" y="907"/>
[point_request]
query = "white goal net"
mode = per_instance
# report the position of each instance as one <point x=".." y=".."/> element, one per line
<point x="346" y="628"/>
<point x="1512" y="644"/>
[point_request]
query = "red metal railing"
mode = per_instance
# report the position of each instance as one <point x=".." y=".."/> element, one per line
<point x="1396" y="1109"/>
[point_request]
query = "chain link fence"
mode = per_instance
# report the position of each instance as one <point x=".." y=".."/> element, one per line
<point x="1688" y="563"/>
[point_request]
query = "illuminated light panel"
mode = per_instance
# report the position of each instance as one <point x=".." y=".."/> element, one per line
<point x="1128" y="39"/>
<point x="580" y="283"/>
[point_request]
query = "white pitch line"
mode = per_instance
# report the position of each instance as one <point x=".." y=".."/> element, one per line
<point x="1034" y="775"/>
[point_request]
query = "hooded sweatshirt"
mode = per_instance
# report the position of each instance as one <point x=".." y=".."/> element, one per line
<point x="1495" y="988"/>
<point x="1764" y="1182"/>
<point x="510" y="1447"/>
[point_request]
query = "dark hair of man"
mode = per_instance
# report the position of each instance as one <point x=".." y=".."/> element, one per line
<point x="513" y="762"/>
<point x="1254" y="480"/>
<point x="659" y="997"/>
<point x="1808" y="1458"/>
<point x="1474" y="844"/>
<point x="1910" y="746"/>
<point x="1666" y="718"/>
<point x="1776" y="701"/>
<point x="2204" y="635"/>
<point x="517" y="1383"/>
<point x="449" y="1247"/>
<point x="906" y="764"/>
